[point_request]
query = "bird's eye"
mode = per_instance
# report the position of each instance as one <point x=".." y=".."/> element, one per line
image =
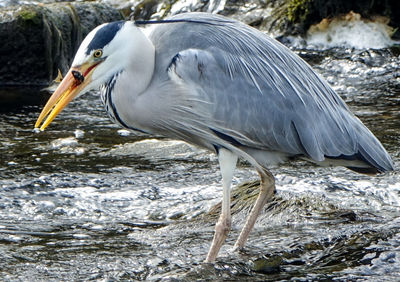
<point x="98" y="53"/>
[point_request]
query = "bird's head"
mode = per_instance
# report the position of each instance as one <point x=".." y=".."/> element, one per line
<point x="108" y="49"/>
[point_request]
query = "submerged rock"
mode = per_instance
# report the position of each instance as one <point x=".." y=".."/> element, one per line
<point x="37" y="40"/>
<point x="306" y="206"/>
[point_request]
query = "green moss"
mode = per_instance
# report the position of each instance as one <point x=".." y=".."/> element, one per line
<point x="298" y="10"/>
<point x="167" y="7"/>
<point x="29" y="15"/>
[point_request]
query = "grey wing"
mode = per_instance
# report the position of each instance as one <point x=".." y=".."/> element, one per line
<point x="259" y="95"/>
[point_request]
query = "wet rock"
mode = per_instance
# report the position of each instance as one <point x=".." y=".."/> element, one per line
<point x="257" y="13"/>
<point x="37" y="40"/>
<point x="285" y="205"/>
<point x="269" y="265"/>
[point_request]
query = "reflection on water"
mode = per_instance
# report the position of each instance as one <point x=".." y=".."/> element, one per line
<point x="87" y="200"/>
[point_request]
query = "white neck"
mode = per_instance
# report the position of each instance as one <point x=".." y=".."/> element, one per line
<point x="139" y="70"/>
<point x="133" y="54"/>
<point x="134" y="78"/>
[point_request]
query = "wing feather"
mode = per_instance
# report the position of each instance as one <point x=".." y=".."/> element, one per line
<point x="258" y="92"/>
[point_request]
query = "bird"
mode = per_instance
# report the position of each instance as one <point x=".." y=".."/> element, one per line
<point x="222" y="85"/>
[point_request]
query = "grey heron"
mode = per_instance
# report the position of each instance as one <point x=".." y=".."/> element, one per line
<point x="225" y="86"/>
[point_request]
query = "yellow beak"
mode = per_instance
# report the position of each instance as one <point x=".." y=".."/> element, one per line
<point x="73" y="83"/>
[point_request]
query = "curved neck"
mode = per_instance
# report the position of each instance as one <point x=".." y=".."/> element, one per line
<point x="120" y="95"/>
<point x="139" y="71"/>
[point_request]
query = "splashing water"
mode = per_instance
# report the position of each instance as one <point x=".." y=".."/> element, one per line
<point x="350" y="31"/>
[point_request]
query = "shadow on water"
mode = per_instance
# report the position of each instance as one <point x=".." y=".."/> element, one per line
<point x="15" y="99"/>
<point x="86" y="200"/>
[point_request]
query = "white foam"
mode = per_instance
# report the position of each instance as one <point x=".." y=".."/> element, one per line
<point x="124" y="132"/>
<point x="350" y="31"/>
<point x="64" y="142"/>
<point x="79" y="133"/>
<point x="69" y="145"/>
<point x="159" y="149"/>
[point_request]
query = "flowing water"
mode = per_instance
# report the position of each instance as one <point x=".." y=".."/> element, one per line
<point x="85" y="200"/>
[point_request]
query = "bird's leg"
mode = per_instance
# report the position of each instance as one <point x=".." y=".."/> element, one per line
<point x="267" y="189"/>
<point x="227" y="162"/>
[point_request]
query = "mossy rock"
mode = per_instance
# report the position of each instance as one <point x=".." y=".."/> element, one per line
<point x="298" y="10"/>
<point x="29" y="15"/>
<point x="37" y="40"/>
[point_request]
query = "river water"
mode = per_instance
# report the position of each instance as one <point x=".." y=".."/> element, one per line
<point x="85" y="200"/>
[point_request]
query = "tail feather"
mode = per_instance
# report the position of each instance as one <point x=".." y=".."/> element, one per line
<point x="371" y="158"/>
<point x="373" y="153"/>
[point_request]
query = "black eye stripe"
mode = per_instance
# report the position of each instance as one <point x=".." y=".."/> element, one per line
<point x="104" y="36"/>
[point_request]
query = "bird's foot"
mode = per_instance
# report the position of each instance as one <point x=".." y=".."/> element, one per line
<point x="237" y="249"/>
<point x="222" y="229"/>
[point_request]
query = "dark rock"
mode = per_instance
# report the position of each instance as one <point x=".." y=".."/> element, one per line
<point x="36" y="40"/>
<point x="270" y="265"/>
<point x="145" y="9"/>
